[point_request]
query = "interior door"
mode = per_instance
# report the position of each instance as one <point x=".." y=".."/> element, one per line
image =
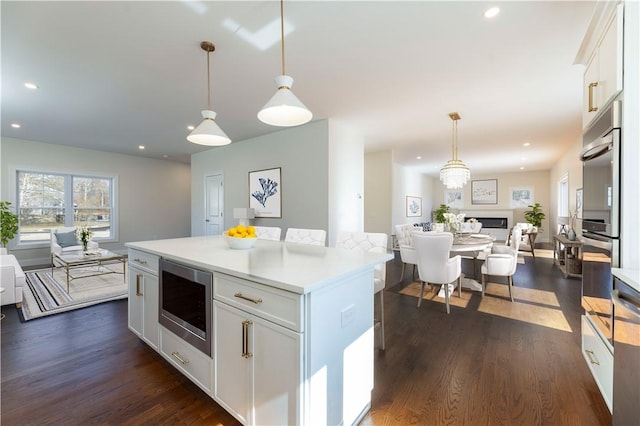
<point x="214" y="205"/>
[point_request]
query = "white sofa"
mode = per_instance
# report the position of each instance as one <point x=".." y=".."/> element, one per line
<point x="59" y="249"/>
<point x="12" y="279"/>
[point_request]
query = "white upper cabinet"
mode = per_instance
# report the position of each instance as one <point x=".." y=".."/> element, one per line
<point x="603" y="73"/>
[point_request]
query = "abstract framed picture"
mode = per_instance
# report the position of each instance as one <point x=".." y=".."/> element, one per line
<point x="484" y="191"/>
<point x="265" y="192"/>
<point x="453" y="198"/>
<point x="414" y="206"/>
<point x="520" y="197"/>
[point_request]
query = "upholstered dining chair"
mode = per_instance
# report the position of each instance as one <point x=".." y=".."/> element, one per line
<point x="316" y="237"/>
<point x="503" y="261"/>
<point x="376" y="243"/>
<point x="408" y="254"/>
<point x="268" y="232"/>
<point x="434" y="264"/>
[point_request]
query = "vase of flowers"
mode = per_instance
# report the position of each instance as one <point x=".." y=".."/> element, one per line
<point x="454" y="221"/>
<point x="84" y="235"/>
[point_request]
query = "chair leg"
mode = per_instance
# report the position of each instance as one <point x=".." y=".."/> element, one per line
<point x="446" y="295"/>
<point x="460" y="286"/>
<point x="381" y="297"/>
<point x="484" y="283"/>
<point x="413" y="275"/>
<point x="510" y="279"/>
<point x="421" y="293"/>
<point x="404" y="266"/>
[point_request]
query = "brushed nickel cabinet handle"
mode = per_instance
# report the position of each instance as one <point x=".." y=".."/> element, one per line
<point x="245" y="339"/>
<point x="177" y="356"/>
<point x="140" y="261"/>
<point x="242" y="296"/>
<point x="138" y="292"/>
<point x="591" y="87"/>
<point x="592" y="357"/>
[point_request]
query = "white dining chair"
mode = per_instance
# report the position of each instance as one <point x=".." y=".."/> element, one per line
<point x="375" y="243"/>
<point x="316" y="237"/>
<point x="268" y="232"/>
<point x="408" y="254"/>
<point x="434" y="264"/>
<point x="503" y="261"/>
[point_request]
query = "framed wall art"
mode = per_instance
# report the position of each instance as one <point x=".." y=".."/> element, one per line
<point x="265" y="192"/>
<point x="414" y="206"/>
<point x="484" y="191"/>
<point x="520" y="197"/>
<point x="453" y="198"/>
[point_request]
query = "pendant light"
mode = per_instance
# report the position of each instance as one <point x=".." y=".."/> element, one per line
<point x="454" y="174"/>
<point x="284" y="109"/>
<point x="208" y="132"/>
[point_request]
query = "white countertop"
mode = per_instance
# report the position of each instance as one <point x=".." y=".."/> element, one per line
<point x="630" y="276"/>
<point x="293" y="267"/>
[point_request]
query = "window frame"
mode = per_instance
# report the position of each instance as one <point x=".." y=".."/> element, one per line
<point x="68" y="176"/>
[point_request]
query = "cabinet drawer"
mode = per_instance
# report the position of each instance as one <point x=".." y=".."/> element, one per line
<point x="142" y="260"/>
<point x="279" y="306"/>
<point x="190" y="361"/>
<point x="599" y="359"/>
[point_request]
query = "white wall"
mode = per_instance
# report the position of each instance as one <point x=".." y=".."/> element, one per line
<point x="569" y="164"/>
<point x="346" y="180"/>
<point x="153" y="195"/>
<point x="378" y="182"/>
<point x="301" y="153"/>
<point x="409" y="182"/>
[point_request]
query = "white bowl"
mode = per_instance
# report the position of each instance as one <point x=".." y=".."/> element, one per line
<point x="239" y="243"/>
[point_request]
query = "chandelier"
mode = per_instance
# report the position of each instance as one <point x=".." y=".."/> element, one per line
<point x="284" y="109"/>
<point x="454" y="174"/>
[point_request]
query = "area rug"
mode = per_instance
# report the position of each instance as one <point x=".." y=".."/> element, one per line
<point x="46" y="294"/>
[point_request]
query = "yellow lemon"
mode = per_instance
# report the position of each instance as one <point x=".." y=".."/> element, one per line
<point x="240" y="229"/>
<point x="231" y="232"/>
<point x="251" y="230"/>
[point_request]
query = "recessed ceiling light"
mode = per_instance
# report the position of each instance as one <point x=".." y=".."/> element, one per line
<point x="418" y="158"/>
<point x="15" y="125"/>
<point x="521" y="167"/>
<point x="140" y="147"/>
<point x="165" y="156"/>
<point x="190" y="127"/>
<point x="30" y="85"/>
<point x="523" y="158"/>
<point x="492" y="12"/>
<point x="526" y="144"/>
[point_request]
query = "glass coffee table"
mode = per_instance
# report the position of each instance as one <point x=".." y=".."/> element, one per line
<point x="97" y="258"/>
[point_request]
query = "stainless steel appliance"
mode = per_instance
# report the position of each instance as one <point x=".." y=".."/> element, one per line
<point x="626" y="362"/>
<point x="601" y="216"/>
<point x="185" y="302"/>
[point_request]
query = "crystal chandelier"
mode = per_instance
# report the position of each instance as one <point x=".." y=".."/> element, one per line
<point x="454" y="174"/>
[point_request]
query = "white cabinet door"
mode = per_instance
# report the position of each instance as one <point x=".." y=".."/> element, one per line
<point x="258" y="364"/>
<point x="590" y="97"/>
<point x="143" y="305"/>
<point x="232" y="369"/>
<point x="276" y="374"/>
<point x="610" y="51"/>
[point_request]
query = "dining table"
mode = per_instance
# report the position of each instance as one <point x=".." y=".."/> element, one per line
<point x="472" y="246"/>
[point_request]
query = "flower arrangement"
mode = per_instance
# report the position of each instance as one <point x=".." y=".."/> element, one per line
<point x="454" y="221"/>
<point x="84" y="234"/>
<point x="473" y="220"/>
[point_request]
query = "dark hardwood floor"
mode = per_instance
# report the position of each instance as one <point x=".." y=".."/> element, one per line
<point x="472" y="367"/>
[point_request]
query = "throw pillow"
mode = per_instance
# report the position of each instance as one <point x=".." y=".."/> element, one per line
<point x="67" y="239"/>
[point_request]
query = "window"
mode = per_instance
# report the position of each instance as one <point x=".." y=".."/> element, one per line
<point x="52" y="200"/>
<point x="563" y="197"/>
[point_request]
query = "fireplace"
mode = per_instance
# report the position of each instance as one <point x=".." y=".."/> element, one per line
<point x="492" y="222"/>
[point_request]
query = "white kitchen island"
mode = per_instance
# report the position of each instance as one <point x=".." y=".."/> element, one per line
<point x="303" y="354"/>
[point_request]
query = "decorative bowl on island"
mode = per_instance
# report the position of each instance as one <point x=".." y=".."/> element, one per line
<point x="239" y="243"/>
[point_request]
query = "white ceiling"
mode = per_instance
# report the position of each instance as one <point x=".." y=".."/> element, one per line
<point x="113" y="75"/>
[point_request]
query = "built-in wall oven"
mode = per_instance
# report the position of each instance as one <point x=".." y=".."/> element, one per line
<point x="185" y="302"/>
<point x="601" y="216"/>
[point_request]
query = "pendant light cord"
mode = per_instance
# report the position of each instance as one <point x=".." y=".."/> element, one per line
<point x="454" y="149"/>
<point x="208" y="82"/>
<point x="282" y="33"/>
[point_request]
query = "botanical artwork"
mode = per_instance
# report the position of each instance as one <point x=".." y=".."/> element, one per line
<point x="579" y="203"/>
<point x="521" y="197"/>
<point x="484" y="191"/>
<point x="453" y="198"/>
<point x="265" y="192"/>
<point x="414" y="206"/>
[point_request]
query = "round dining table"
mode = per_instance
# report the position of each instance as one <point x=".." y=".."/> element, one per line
<point x="471" y="245"/>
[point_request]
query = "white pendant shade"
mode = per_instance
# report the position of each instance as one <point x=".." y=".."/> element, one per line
<point x="284" y="109"/>
<point x="208" y="132"/>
